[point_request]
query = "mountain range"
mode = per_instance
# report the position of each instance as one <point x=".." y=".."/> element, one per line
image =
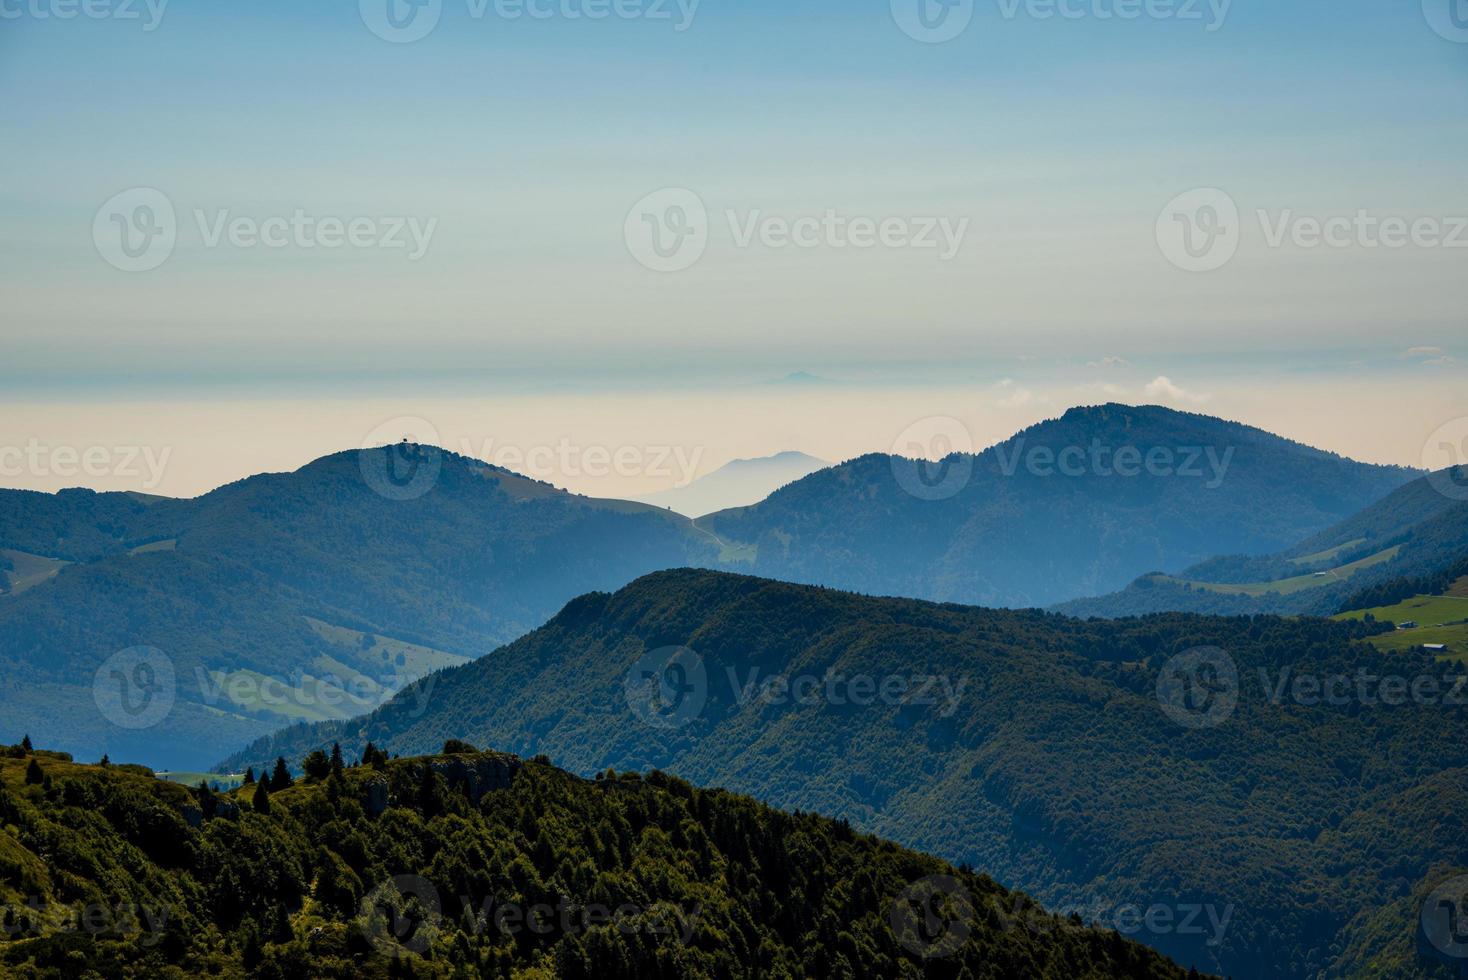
<point x="1072" y="507"/>
<point x="173" y="631"/>
<point x="1414" y="533"/>
<point x="1043" y="749"/>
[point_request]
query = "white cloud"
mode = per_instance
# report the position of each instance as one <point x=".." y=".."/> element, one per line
<point x="1163" y="389"/>
<point x="1423" y="352"/>
<point x="1109" y="361"/>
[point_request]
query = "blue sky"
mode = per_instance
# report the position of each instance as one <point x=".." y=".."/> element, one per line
<point x="526" y="142"/>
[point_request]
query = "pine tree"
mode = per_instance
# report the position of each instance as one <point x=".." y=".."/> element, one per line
<point x="25" y="743"/>
<point x="336" y="759"/>
<point x="33" y="774"/>
<point x="282" y="777"/>
<point x="261" y="800"/>
<point x="250" y="776"/>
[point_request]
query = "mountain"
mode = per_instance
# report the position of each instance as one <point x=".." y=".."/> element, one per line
<point x="1075" y="506"/>
<point x="175" y="630"/>
<point x="1414" y="533"/>
<point x="480" y="864"/>
<point x="1066" y="758"/>
<point x="736" y="484"/>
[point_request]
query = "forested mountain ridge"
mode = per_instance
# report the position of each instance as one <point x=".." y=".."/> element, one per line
<point x="1416" y="532"/>
<point x="1031" y="745"/>
<point x="1075" y="506"/>
<point x="295" y="596"/>
<point x="481" y="864"/>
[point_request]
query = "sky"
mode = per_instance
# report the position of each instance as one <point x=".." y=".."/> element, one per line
<point x="245" y="235"/>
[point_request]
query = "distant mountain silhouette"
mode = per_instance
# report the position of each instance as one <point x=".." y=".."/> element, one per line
<point x="736" y="484"/>
<point x="1075" y="506"/>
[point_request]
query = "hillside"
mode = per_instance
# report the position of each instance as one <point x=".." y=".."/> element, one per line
<point x="1075" y="506"/>
<point x="481" y="864"/>
<point x="289" y="597"/>
<point x="1414" y="532"/>
<point x="1040" y="752"/>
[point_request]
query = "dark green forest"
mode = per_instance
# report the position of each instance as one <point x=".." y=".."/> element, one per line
<point x="1059" y="773"/>
<point x="476" y="864"/>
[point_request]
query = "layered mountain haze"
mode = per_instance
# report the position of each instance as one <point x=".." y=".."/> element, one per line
<point x="1038" y="748"/>
<point x="1075" y="506"/>
<point x="1416" y="532"/>
<point x="289" y="597"/>
<point x="736" y="484"/>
